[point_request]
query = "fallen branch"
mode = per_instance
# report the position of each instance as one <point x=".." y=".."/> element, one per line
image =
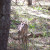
<point x="28" y="35"/>
<point x="31" y="35"/>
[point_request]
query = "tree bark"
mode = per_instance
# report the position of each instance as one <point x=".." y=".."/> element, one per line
<point x="29" y="2"/>
<point x="16" y="2"/>
<point x="4" y="23"/>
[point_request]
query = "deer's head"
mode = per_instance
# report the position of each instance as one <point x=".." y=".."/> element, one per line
<point x="23" y="25"/>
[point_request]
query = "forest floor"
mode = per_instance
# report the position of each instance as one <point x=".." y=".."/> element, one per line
<point x="41" y="43"/>
<point x="25" y="12"/>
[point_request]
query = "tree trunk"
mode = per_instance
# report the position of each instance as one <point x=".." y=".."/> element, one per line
<point x="29" y="2"/>
<point x="4" y="23"/>
<point x="16" y="2"/>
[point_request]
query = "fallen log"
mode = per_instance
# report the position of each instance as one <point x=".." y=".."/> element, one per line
<point x="31" y="35"/>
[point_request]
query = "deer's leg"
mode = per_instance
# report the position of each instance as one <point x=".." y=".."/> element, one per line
<point x="19" y="38"/>
<point x="24" y="42"/>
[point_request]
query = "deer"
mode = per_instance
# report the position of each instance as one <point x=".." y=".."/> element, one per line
<point x="22" y="32"/>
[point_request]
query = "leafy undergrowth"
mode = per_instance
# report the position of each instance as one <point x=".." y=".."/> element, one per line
<point x="42" y="43"/>
<point x="35" y="23"/>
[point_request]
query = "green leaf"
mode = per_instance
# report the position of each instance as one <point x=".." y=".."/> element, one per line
<point x="30" y="19"/>
<point x="31" y="26"/>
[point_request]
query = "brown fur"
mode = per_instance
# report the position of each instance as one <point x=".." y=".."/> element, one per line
<point x="23" y="28"/>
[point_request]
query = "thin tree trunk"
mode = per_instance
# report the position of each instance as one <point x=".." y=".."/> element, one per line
<point x="29" y="2"/>
<point x="16" y="2"/>
<point x="4" y="23"/>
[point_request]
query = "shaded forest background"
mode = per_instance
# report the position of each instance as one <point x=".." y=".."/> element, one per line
<point x="35" y="13"/>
